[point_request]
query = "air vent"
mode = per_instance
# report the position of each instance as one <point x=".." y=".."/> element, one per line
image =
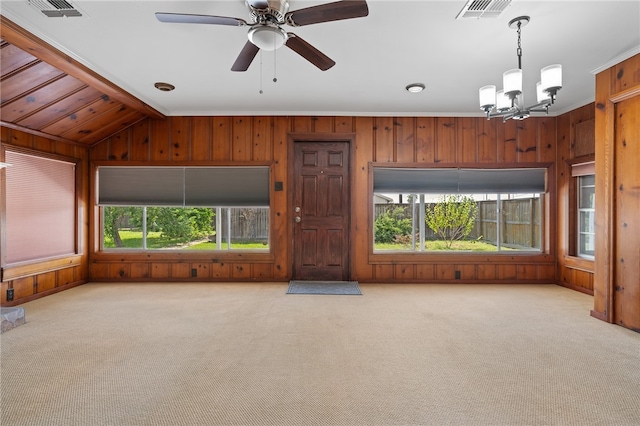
<point x="55" y="8"/>
<point x="483" y="9"/>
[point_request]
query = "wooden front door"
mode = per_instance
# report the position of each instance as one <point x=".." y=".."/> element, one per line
<point x="321" y="211"/>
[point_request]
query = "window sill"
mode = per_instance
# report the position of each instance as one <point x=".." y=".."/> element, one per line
<point x="27" y="269"/>
<point x="175" y="256"/>
<point x="580" y="263"/>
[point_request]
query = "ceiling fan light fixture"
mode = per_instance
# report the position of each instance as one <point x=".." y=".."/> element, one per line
<point x="267" y="37"/>
<point x="415" y="87"/>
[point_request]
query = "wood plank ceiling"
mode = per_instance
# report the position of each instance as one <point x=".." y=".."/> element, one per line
<point x="43" y="91"/>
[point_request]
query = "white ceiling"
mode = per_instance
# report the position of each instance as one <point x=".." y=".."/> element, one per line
<point x="400" y="42"/>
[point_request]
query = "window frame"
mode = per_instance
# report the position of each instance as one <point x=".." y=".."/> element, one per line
<point x="579" y="210"/>
<point x="249" y="255"/>
<point x="547" y="227"/>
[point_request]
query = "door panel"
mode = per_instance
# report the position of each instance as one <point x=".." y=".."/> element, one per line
<point x="321" y="227"/>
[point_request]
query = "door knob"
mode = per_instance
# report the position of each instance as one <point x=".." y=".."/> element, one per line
<point x="297" y="219"/>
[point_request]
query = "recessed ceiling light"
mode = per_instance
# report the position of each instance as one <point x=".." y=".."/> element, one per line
<point x="415" y="87"/>
<point x="164" y="87"/>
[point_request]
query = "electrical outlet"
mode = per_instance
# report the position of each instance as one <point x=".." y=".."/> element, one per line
<point x="457" y="275"/>
<point x="194" y="272"/>
<point x="9" y="294"/>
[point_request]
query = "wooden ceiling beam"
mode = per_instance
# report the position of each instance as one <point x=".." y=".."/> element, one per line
<point x="19" y="37"/>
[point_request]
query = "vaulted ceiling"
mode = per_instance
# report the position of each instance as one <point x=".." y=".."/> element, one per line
<point x="84" y="78"/>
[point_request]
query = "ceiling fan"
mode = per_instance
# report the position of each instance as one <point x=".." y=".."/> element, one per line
<point x="266" y="32"/>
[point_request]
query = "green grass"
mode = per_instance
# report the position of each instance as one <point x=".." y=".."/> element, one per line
<point x="441" y="246"/>
<point x="155" y="241"/>
<point x="234" y="246"/>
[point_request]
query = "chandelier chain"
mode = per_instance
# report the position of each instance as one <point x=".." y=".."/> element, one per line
<point x="519" y="51"/>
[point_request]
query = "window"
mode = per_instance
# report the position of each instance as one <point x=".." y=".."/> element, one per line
<point x="586" y="215"/>
<point x="582" y="222"/>
<point x="184" y="208"/>
<point x="40" y="213"/>
<point x="458" y="209"/>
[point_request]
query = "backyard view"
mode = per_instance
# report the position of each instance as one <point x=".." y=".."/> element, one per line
<point x="168" y="228"/>
<point x="472" y="222"/>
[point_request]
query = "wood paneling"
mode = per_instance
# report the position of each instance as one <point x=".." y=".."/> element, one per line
<point x="406" y="140"/>
<point x="617" y="263"/>
<point x="46" y="92"/>
<point x="572" y="128"/>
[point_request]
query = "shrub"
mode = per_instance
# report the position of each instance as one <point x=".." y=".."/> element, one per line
<point x="392" y="224"/>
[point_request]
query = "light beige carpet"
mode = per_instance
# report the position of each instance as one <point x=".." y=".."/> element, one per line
<point x="249" y="354"/>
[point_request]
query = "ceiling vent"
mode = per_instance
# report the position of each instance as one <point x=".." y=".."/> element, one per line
<point x="483" y="9"/>
<point x="55" y="8"/>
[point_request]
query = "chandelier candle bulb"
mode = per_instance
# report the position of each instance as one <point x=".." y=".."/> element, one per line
<point x="503" y="103"/>
<point x="551" y="78"/>
<point x="541" y="94"/>
<point x="512" y="82"/>
<point x="487" y="97"/>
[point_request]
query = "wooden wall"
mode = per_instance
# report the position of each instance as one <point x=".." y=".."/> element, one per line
<point x="423" y="142"/>
<point x="617" y="264"/>
<point x="39" y="279"/>
<point x="576" y="143"/>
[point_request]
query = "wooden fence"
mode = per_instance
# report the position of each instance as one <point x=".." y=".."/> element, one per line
<point x="247" y="224"/>
<point x="519" y="224"/>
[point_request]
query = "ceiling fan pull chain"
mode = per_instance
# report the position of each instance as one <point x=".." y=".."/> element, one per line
<point x="261" y="72"/>
<point x="275" y="55"/>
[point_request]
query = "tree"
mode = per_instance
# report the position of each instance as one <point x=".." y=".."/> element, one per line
<point x="452" y="218"/>
<point x="180" y="223"/>
<point x="114" y="219"/>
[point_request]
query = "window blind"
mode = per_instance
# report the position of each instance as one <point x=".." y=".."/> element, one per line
<point x="219" y="186"/>
<point x="466" y="181"/>
<point x="583" y="169"/>
<point x="41" y="208"/>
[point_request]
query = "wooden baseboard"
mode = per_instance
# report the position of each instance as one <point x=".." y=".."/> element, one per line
<point x="577" y="288"/>
<point x="599" y="315"/>
<point x="43" y="294"/>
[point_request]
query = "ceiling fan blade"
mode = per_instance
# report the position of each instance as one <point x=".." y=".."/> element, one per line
<point x="335" y="11"/>
<point x="309" y="52"/>
<point x="248" y="52"/>
<point x="185" y="18"/>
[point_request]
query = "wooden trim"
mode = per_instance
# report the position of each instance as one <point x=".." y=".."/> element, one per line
<point x="44" y="293"/>
<point x="19" y="37"/>
<point x="28" y="269"/>
<point x="579" y="263"/>
<point x="599" y="315"/>
<point x="455" y="257"/>
<point x="577" y="288"/>
<point x="173" y="256"/>
<point x="39" y="133"/>
<point x="625" y="94"/>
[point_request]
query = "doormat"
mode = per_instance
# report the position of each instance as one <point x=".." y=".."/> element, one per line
<point x="324" y="287"/>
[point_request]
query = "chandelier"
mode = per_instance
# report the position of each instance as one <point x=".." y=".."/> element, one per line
<point x="508" y="102"/>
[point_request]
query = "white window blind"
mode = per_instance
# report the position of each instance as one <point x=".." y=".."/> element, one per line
<point x="41" y="208"/>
